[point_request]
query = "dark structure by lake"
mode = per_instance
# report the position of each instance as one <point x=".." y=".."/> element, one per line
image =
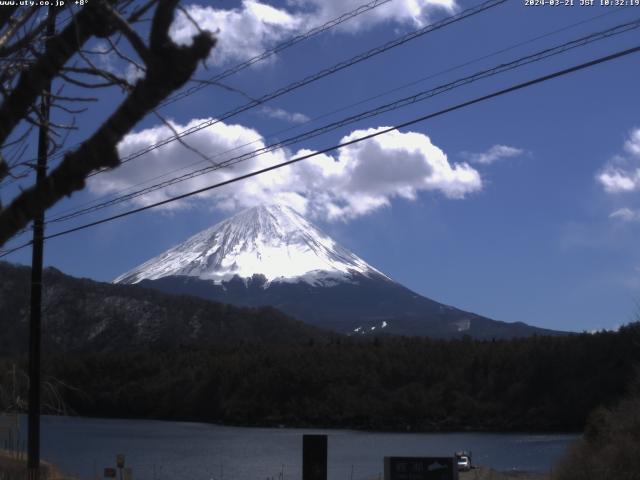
<point x="191" y="451"/>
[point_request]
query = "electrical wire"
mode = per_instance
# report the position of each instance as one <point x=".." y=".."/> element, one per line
<point x="317" y="76"/>
<point x="343" y="108"/>
<point x="340" y="66"/>
<point x="459" y="106"/>
<point x="278" y="48"/>
<point x="400" y="103"/>
<point x="264" y="55"/>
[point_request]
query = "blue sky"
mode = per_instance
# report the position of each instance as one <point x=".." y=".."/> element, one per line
<point x="522" y="208"/>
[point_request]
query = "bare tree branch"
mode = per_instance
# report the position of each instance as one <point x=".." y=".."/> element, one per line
<point x="124" y="57"/>
<point x="83" y="84"/>
<point x="159" y="38"/>
<point x="20" y="139"/>
<point x="224" y="86"/>
<point x="136" y="42"/>
<point x="169" y="67"/>
<point x="181" y="141"/>
<point x="110" y="77"/>
<point x="60" y="49"/>
<point x="4" y="168"/>
<point x="186" y="13"/>
<point x="70" y="111"/>
<point x="22" y="42"/>
<point x="6" y="14"/>
<point x="73" y="99"/>
<point x="135" y="16"/>
<point x="13" y="28"/>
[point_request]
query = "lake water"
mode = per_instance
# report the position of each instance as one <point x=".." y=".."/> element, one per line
<point x="192" y="451"/>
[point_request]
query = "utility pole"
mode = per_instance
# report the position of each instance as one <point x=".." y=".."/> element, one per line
<point x="35" y="333"/>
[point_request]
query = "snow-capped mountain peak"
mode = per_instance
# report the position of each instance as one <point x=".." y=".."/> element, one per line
<point x="274" y="241"/>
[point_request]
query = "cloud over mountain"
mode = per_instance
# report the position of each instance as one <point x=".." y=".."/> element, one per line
<point x="354" y="181"/>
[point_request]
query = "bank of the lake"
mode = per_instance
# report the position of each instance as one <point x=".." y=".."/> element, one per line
<point x="484" y="473"/>
<point x="13" y="465"/>
<point x="164" y="450"/>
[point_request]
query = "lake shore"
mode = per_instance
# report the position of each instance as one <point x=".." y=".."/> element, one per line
<point x="15" y="463"/>
<point x="79" y="445"/>
<point x="484" y="473"/>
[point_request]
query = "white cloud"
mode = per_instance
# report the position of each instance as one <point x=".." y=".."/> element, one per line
<point x="626" y="215"/>
<point x="103" y="55"/>
<point x="133" y="73"/>
<point x="494" y="154"/>
<point x="369" y="174"/>
<point x="242" y="32"/>
<point x="415" y="12"/>
<point x="212" y="141"/>
<point x="356" y="181"/>
<point x="618" y="180"/>
<point x="254" y="27"/>
<point x="622" y="173"/>
<point x="280" y="114"/>
<point x="632" y="145"/>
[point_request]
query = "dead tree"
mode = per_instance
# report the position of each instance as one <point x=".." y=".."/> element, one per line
<point x="28" y="59"/>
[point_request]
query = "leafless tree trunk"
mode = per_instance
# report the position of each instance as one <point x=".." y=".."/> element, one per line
<point x="25" y="67"/>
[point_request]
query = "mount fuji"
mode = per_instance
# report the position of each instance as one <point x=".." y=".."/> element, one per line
<point x="271" y="255"/>
<point x="272" y="241"/>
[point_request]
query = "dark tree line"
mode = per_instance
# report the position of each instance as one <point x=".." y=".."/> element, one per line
<point x="538" y="383"/>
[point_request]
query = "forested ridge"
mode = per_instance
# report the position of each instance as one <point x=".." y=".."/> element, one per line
<point x="80" y="315"/>
<point x="537" y="383"/>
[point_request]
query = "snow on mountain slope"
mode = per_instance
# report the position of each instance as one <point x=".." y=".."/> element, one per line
<point x="274" y="241"/>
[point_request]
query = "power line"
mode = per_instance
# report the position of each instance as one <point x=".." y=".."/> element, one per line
<point x="400" y="103"/>
<point x="267" y="53"/>
<point x="271" y="135"/>
<point x="278" y="48"/>
<point x="519" y="86"/>
<point x="317" y="76"/>
<point x="59" y="25"/>
<point x="4" y="253"/>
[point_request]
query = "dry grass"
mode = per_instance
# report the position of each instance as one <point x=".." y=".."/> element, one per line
<point x="483" y="473"/>
<point x="14" y="468"/>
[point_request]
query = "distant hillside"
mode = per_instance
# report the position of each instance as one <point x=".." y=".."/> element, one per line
<point x="130" y="352"/>
<point x="362" y="307"/>
<point x="80" y="315"/>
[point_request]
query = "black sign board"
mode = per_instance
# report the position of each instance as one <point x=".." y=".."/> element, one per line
<point x="314" y="457"/>
<point x="420" y="468"/>
<point x="110" y="473"/>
